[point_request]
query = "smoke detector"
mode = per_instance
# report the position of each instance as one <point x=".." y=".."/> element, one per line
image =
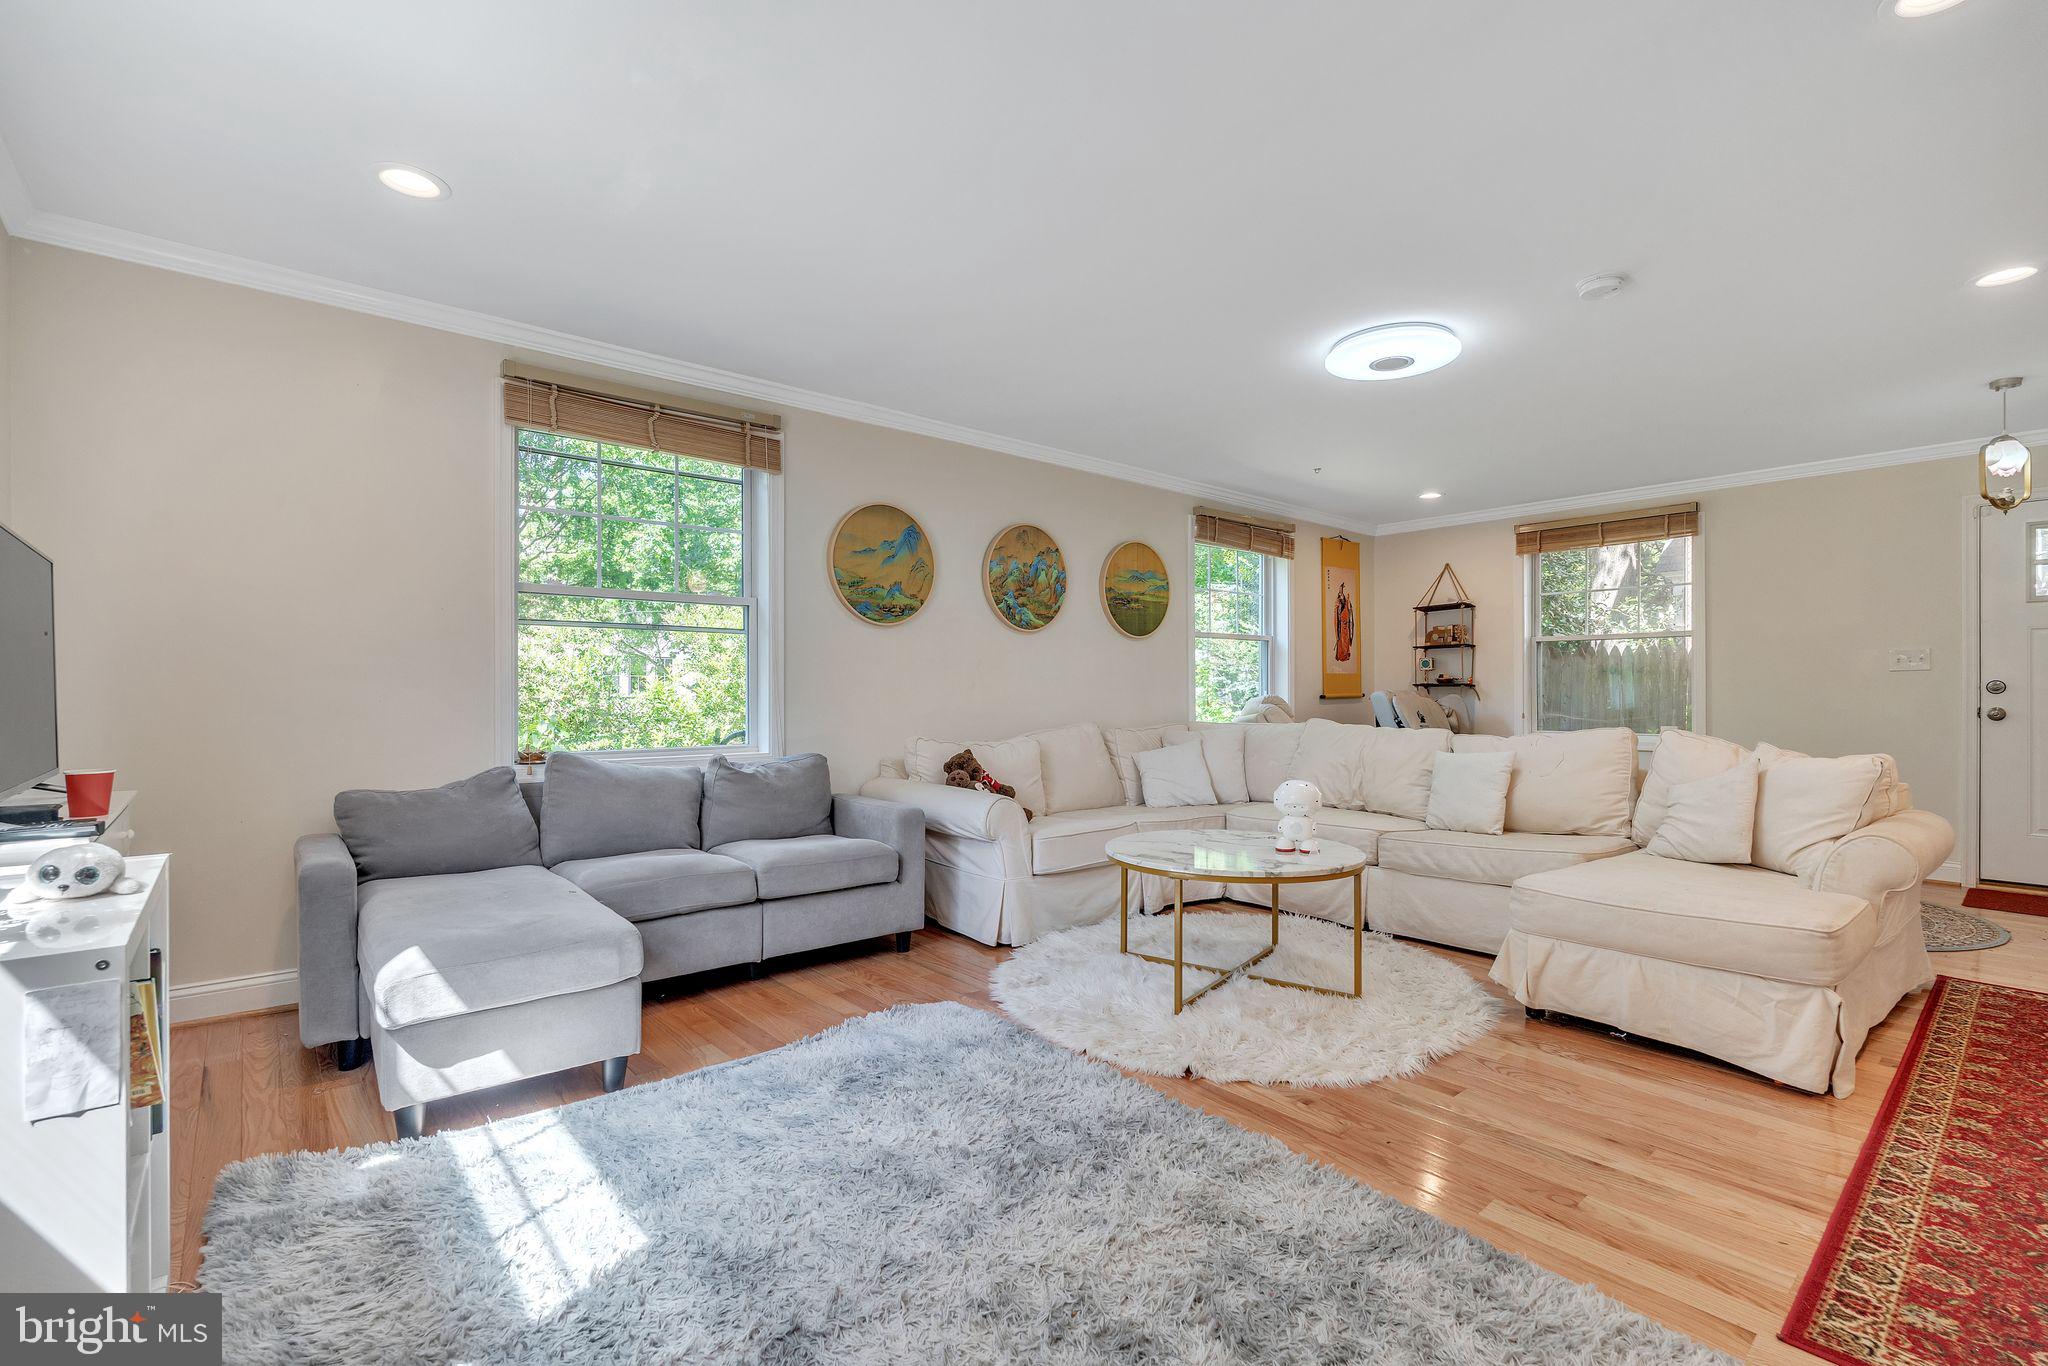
<point x="1600" y="286"/>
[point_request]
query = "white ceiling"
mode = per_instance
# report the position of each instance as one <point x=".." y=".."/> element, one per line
<point x="1131" y="230"/>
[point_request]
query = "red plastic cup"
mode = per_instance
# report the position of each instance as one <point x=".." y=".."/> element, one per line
<point x="88" y="791"/>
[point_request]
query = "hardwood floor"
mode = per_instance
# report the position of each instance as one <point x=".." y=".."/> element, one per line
<point x="1688" y="1190"/>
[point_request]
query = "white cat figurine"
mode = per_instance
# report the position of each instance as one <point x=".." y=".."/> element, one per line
<point x="1297" y="802"/>
<point x="74" y="871"/>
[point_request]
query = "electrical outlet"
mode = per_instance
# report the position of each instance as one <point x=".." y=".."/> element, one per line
<point x="1912" y="661"/>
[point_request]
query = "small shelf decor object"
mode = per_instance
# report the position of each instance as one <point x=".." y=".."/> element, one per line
<point x="1342" y="675"/>
<point x="1444" y="650"/>
<point x="1135" y="589"/>
<point x="1024" y="577"/>
<point x="882" y="564"/>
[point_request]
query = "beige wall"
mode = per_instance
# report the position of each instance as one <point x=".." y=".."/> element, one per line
<point x="287" y="615"/>
<point x="276" y="550"/>
<point x="1808" y="586"/>
<point x="856" y="691"/>
<point x="6" y="427"/>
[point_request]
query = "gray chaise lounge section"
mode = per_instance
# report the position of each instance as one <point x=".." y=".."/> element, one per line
<point x="491" y="930"/>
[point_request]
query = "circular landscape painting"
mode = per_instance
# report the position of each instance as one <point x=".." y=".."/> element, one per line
<point x="882" y="564"/>
<point x="1025" y="577"/>
<point x="1135" y="589"/>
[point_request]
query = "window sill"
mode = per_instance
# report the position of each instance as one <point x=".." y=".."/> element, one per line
<point x="656" y="758"/>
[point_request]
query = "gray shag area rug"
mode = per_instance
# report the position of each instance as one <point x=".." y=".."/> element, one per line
<point x="1948" y="930"/>
<point x="927" y="1184"/>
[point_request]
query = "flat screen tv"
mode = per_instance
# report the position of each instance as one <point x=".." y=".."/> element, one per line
<point x="28" y="666"/>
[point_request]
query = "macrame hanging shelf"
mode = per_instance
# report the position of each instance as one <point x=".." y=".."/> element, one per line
<point x="1455" y="636"/>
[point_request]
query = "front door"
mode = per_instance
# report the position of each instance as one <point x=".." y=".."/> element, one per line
<point x="2012" y="694"/>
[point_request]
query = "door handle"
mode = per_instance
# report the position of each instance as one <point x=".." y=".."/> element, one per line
<point x="1995" y="714"/>
<point x="1995" y="686"/>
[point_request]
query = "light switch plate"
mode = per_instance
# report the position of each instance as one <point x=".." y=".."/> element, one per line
<point x="1909" y="661"/>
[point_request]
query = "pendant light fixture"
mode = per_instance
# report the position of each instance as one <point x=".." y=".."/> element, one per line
<point x="2005" y="456"/>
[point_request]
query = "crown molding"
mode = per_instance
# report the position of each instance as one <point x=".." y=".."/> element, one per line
<point x="78" y="235"/>
<point x="1651" y="493"/>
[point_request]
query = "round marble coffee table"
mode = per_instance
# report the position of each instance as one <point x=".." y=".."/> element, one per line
<point x="1236" y="856"/>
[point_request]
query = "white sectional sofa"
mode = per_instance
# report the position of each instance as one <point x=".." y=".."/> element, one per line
<point x="1782" y="968"/>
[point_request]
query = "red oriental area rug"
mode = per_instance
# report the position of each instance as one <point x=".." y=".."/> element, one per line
<point x="1938" y="1249"/>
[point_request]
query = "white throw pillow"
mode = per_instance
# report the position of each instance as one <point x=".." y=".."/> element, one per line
<point x="1681" y="756"/>
<point x="1078" y="772"/>
<point x="1804" y="804"/>
<point x="1126" y="742"/>
<point x="1269" y="752"/>
<point x="1223" y="751"/>
<point x="1888" y="798"/>
<point x="1566" y="782"/>
<point x="1333" y="756"/>
<point x="1010" y="761"/>
<point x="1710" y="820"/>
<point x="1469" y="792"/>
<point x="1175" y="775"/>
<point x="1394" y="769"/>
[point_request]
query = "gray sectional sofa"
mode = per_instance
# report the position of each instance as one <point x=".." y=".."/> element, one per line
<point x="491" y="930"/>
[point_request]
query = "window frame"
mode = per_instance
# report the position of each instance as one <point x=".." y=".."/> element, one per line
<point x="1273" y="608"/>
<point x="1530" y="682"/>
<point x="761" y="597"/>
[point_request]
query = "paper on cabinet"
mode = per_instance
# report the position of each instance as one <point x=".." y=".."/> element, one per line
<point x="71" y="1042"/>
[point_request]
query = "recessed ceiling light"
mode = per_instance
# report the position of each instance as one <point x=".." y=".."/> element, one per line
<point x="412" y="182"/>
<point x="1915" y="9"/>
<point x="1430" y="494"/>
<point x="1393" y="351"/>
<point x="2009" y="276"/>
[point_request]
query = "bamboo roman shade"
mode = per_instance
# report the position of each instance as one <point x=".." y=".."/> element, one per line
<point x="1239" y="532"/>
<point x="588" y="413"/>
<point x="1574" y="533"/>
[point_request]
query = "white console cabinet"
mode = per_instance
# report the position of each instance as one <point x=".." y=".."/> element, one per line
<point x="85" y="1199"/>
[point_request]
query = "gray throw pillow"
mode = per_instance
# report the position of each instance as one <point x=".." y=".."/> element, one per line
<point x="773" y="799"/>
<point x="478" y="823"/>
<point x="594" y="808"/>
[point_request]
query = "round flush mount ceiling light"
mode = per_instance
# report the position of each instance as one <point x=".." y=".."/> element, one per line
<point x="411" y="181"/>
<point x="1920" y="9"/>
<point x="1393" y="351"/>
<point x="1429" y="495"/>
<point x="2011" y="275"/>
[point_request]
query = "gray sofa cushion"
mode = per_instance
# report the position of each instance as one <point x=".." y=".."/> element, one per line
<point x="773" y="799"/>
<point x="594" y="808"/>
<point x="480" y="822"/>
<point x="454" y="944"/>
<point x="658" y="882"/>
<point x="813" y="863"/>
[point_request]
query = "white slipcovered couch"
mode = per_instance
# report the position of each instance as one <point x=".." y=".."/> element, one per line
<point x="1782" y="969"/>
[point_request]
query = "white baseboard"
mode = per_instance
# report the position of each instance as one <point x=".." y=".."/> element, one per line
<point x="233" y="995"/>
<point x="1951" y="872"/>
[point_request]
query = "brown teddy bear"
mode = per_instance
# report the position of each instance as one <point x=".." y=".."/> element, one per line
<point x="964" y="770"/>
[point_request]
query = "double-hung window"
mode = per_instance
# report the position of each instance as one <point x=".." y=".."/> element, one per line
<point x="1612" y="640"/>
<point x="636" y="614"/>
<point x="1235" y="620"/>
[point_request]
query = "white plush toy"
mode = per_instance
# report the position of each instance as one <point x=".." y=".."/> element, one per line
<point x="1297" y="802"/>
<point x="74" y="871"/>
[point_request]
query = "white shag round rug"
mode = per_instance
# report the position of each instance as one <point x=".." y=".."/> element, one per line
<point x="1076" y="989"/>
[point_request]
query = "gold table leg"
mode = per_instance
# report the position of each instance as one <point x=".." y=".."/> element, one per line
<point x="1358" y="933"/>
<point x="1123" y="920"/>
<point x="1276" y="915"/>
<point x="1179" y="914"/>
